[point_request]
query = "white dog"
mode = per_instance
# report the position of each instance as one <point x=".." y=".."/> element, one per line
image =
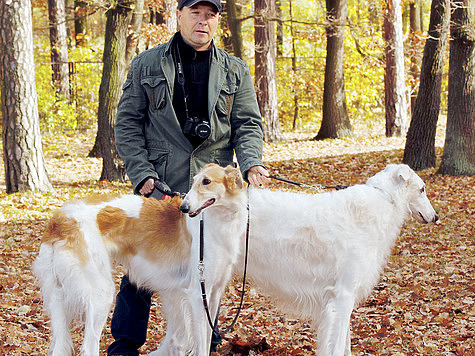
<point x="321" y="254"/>
<point x="159" y="247"/>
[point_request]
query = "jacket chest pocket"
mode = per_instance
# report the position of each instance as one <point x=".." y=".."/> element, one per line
<point x="226" y="99"/>
<point x="156" y="89"/>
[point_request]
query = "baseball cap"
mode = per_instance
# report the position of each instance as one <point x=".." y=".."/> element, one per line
<point x="190" y="3"/>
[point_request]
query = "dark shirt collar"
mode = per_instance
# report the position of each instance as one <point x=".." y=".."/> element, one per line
<point x="188" y="52"/>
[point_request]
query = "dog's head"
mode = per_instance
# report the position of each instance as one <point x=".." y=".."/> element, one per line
<point x="405" y="186"/>
<point x="212" y="186"/>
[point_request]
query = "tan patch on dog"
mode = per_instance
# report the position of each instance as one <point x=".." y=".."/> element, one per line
<point x="159" y="232"/>
<point x="62" y="228"/>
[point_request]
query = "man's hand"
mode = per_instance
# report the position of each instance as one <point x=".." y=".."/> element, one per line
<point x="147" y="187"/>
<point x="258" y="175"/>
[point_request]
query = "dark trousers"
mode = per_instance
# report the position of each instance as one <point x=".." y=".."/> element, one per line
<point x="130" y="319"/>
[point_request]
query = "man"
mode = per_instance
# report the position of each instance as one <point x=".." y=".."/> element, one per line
<point x="185" y="103"/>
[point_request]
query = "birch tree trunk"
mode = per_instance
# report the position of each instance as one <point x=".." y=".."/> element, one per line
<point x="265" y="75"/>
<point x="394" y="83"/>
<point x="22" y="147"/>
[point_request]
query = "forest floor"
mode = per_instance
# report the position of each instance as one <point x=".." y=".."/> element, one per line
<point x="424" y="303"/>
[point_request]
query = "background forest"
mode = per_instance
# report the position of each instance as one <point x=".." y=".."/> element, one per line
<point x="300" y="61"/>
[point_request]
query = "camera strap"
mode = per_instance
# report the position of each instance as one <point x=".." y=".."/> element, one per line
<point x="181" y="78"/>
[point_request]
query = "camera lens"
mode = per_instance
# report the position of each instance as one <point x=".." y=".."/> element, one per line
<point x="203" y="130"/>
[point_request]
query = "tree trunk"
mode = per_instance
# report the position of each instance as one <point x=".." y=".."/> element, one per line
<point x="459" y="147"/>
<point x="415" y="33"/>
<point x="134" y="32"/>
<point x="59" y="47"/>
<point x="394" y="85"/>
<point x="80" y="22"/>
<point x="224" y="23"/>
<point x="335" y="120"/>
<point x="419" y="152"/>
<point x="22" y="148"/>
<point x="234" y="27"/>
<point x="265" y="75"/>
<point x="294" y="71"/>
<point x="280" y="27"/>
<point x="113" y="75"/>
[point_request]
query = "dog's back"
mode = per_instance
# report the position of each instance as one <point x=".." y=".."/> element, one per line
<point x="74" y="264"/>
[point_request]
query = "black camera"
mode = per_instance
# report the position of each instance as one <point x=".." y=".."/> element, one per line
<point x="198" y="127"/>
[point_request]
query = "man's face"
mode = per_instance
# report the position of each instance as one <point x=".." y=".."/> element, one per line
<point x="198" y="24"/>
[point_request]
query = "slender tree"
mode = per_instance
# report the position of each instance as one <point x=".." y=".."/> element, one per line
<point x="335" y="120"/>
<point x="415" y="29"/>
<point x="234" y="33"/>
<point x="419" y="152"/>
<point x="459" y="148"/>
<point x="394" y="84"/>
<point x="134" y="32"/>
<point x="80" y="22"/>
<point x="113" y="75"/>
<point x="59" y="46"/>
<point x="22" y="148"/>
<point x="265" y="76"/>
<point x="294" y="70"/>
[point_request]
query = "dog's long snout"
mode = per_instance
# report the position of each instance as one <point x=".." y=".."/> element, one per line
<point x="185" y="207"/>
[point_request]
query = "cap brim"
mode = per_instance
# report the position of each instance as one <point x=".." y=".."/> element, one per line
<point x="194" y="2"/>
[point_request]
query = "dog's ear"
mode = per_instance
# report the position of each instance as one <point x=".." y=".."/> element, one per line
<point x="233" y="179"/>
<point x="404" y="173"/>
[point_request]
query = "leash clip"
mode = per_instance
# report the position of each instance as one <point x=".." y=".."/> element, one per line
<point x="201" y="269"/>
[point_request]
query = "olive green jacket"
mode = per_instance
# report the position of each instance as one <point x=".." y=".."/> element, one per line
<point x="149" y="137"/>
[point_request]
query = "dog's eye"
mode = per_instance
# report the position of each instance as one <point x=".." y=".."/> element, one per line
<point x="423" y="189"/>
<point x="206" y="181"/>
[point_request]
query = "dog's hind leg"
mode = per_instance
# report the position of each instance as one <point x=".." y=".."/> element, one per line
<point x="61" y="317"/>
<point x="98" y="305"/>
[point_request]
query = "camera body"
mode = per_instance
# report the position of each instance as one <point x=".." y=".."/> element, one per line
<point x="198" y="127"/>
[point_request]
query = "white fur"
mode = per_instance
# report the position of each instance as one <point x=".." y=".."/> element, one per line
<point x="319" y="255"/>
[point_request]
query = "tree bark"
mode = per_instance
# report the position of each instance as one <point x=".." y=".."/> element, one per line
<point x="80" y="22"/>
<point x="335" y="120"/>
<point x="394" y="84"/>
<point x="415" y="33"/>
<point x="22" y="148"/>
<point x="265" y="75"/>
<point x="59" y="47"/>
<point x="234" y="38"/>
<point x="419" y="152"/>
<point x="134" y="32"/>
<point x="459" y="148"/>
<point x="113" y="75"/>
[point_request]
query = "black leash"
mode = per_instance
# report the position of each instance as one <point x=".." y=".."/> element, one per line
<point x="314" y="186"/>
<point x="202" y="280"/>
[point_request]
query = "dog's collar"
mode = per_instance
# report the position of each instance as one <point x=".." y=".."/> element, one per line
<point x="385" y="193"/>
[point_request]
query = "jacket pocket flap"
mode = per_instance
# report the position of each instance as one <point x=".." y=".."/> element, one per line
<point x="230" y="88"/>
<point x="152" y="81"/>
<point x="127" y="84"/>
<point x="157" y="154"/>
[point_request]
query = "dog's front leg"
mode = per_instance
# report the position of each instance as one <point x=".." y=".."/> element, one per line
<point x="334" y="329"/>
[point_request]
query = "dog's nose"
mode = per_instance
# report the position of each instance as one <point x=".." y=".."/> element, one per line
<point x="436" y="218"/>
<point x="184" y="208"/>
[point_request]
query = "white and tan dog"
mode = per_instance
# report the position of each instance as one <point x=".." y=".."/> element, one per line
<point x="320" y="255"/>
<point x="159" y="247"/>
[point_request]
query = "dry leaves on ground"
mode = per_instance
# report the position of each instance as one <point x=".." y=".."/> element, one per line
<point x="424" y="303"/>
